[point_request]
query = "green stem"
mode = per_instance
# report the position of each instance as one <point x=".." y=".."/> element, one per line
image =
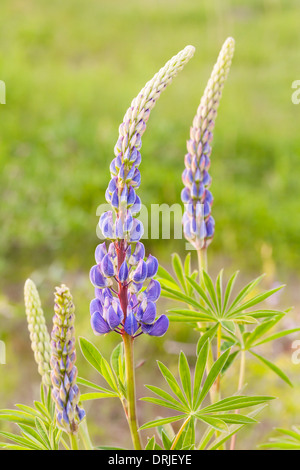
<point x="130" y="382"/>
<point x="240" y="386"/>
<point x="180" y="432"/>
<point x="84" y="434"/>
<point x="73" y="442"/>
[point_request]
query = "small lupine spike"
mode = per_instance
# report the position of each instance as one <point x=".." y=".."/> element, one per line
<point x="65" y="391"/>
<point x="198" y="224"/>
<point x="39" y="336"/>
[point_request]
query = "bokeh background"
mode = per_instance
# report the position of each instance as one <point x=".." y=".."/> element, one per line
<point x="71" y="69"/>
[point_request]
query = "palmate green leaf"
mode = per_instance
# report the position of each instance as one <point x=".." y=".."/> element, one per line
<point x="202" y="313"/>
<point x="43" y="410"/>
<point x="219" y="290"/>
<point x="233" y="429"/>
<point x="273" y="367"/>
<point x="165" y="395"/>
<point x="215" y="423"/>
<point x="187" y="319"/>
<point x="281" y="334"/>
<point x="244" y="292"/>
<point x="177" y="295"/>
<point x="18" y="417"/>
<point x="213" y="374"/>
<point x="92" y="385"/>
<point x="203" y="296"/>
<point x="161" y="421"/>
<point x="31" y="434"/>
<point x="228" y="291"/>
<point x="28" y="409"/>
<point x="229" y="362"/>
<point x="187" y="273"/>
<point x="199" y="370"/>
<point x="236" y="403"/>
<point x="23" y="441"/>
<point x="95" y="358"/>
<point x="150" y="444"/>
<point x="172" y="382"/>
<point x="43" y="432"/>
<point x="166" y="404"/>
<point x="178" y="270"/>
<point x="209" y="334"/>
<point x="260" y="330"/>
<point x="211" y="290"/>
<point x="189" y="436"/>
<point x="289" y="441"/>
<point x="98" y="395"/>
<point x="166" y="441"/>
<point x="233" y="418"/>
<point x="185" y="376"/>
<point x="254" y="301"/>
<point x="266" y="313"/>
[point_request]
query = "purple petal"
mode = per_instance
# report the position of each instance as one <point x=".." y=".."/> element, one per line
<point x="123" y="273"/>
<point x="153" y="290"/>
<point x="96" y="277"/>
<point x="100" y="252"/>
<point x="131" y="325"/>
<point x="112" y="318"/>
<point x="159" y="328"/>
<point x="140" y="273"/>
<point x="96" y="306"/>
<point x="149" y="314"/>
<point x="99" y="325"/>
<point x="137" y="231"/>
<point x="152" y="266"/>
<point x="107" y="266"/>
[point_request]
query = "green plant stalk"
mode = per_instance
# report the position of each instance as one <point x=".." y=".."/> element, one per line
<point x="130" y="383"/>
<point x="73" y="442"/>
<point x="240" y="386"/>
<point x="84" y="434"/>
<point x="186" y="422"/>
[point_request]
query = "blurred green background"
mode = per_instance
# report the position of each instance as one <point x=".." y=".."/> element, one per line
<point x="71" y="70"/>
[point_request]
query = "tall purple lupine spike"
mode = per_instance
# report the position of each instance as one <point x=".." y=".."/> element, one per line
<point x="198" y="224"/>
<point x="128" y="307"/>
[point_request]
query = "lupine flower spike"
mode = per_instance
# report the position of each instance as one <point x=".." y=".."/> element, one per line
<point x="198" y="223"/>
<point x="39" y="336"/>
<point x="123" y="302"/>
<point x="65" y="391"/>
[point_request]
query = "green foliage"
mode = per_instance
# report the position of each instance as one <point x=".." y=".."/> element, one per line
<point x="188" y="398"/>
<point x="109" y="374"/>
<point x="289" y="441"/>
<point x="244" y="326"/>
<point x="36" y="425"/>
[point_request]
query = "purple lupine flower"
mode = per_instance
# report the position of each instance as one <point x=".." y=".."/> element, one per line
<point x="123" y="277"/>
<point x="65" y="391"/>
<point x="198" y="223"/>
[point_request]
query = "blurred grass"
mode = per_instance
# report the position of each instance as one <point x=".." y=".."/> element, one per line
<point x="71" y="69"/>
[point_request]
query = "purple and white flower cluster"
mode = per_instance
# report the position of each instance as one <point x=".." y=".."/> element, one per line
<point x="125" y="291"/>
<point x="198" y="223"/>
